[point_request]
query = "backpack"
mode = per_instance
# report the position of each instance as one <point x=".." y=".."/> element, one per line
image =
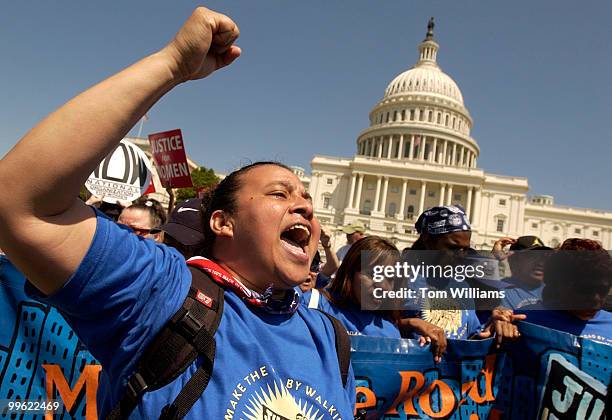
<point x="189" y="333"/>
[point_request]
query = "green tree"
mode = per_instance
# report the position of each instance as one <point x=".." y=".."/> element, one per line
<point x="202" y="178"/>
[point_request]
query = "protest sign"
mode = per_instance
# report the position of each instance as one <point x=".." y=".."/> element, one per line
<point x="124" y="174"/>
<point x="168" y="152"/>
<point x="41" y="358"/>
<point x="546" y="374"/>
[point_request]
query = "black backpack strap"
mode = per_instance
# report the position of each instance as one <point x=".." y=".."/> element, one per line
<point x="343" y="347"/>
<point x="189" y="333"/>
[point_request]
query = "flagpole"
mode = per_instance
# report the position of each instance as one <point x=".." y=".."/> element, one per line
<point x="140" y="128"/>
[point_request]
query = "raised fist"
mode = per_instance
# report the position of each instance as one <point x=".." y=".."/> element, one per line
<point x="204" y="44"/>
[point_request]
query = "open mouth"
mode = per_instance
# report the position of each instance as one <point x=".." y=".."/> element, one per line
<point x="296" y="239"/>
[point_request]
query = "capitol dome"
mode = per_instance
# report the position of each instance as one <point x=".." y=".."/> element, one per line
<point x="427" y="79"/>
<point x="421" y="117"/>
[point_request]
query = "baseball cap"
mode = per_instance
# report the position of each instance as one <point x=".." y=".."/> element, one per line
<point x="352" y="228"/>
<point x="528" y="243"/>
<point x="185" y="223"/>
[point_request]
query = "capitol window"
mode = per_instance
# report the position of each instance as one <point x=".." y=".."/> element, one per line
<point x="412" y="192"/>
<point x="534" y="225"/>
<point x="326" y="200"/>
<point x="595" y="233"/>
<point x="439" y="117"/>
<point x="370" y="186"/>
<point x="578" y="230"/>
<point x="410" y="212"/>
<point x="412" y="115"/>
<point x="500" y="225"/>
<point x="457" y="197"/>
<point x="502" y="202"/>
<point x="395" y="188"/>
<point x="330" y="181"/>
<point x="431" y="194"/>
<point x="403" y="115"/>
<point x="556" y="228"/>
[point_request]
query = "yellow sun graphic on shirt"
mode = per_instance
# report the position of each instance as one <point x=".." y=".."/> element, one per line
<point x="443" y="313"/>
<point x="279" y="404"/>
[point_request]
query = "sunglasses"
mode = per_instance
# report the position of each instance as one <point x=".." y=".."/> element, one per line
<point x="138" y="230"/>
<point x="315" y="268"/>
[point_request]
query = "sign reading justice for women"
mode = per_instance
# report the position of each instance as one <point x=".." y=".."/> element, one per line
<point x="168" y="151"/>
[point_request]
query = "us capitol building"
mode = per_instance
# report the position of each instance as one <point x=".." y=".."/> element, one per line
<point x="417" y="153"/>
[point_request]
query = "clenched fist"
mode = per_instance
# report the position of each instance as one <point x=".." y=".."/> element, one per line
<point x="204" y="44"/>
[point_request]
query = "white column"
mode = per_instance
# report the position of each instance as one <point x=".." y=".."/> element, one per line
<point x="352" y="191"/>
<point x="449" y="200"/>
<point x="454" y="158"/>
<point x="477" y="203"/>
<point x="510" y="227"/>
<point x="422" y="148"/>
<point x="411" y="149"/>
<point x="468" y="203"/>
<point x="380" y="147"/>
<point x="442" y="192"/>
<point x="435" y="150"/>
<point x="444" y="156"/>
<point x="390" y="147"/>
<point x="400" y="147"/>
<point x="359" y="186"/>
<point x="521" y="220"/>
<point x="383" y="203"/>
<point x="422" y="198"/>
<point x="402" y="210"/>
<point x="377" y="197"/>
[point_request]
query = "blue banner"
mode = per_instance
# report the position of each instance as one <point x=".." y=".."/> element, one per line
<point x="546" y="375"/>
<point x="41" y="358"/>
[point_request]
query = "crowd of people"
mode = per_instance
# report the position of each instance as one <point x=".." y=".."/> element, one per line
<point x="120" y="282"/>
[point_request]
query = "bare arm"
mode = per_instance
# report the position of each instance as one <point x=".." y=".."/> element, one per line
<point x="44" y="229"/>
<point x="331" y="259"/>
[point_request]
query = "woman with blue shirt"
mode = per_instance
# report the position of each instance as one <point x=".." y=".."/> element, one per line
<point x="351" y="299"/>
<point x="577" y="281"/>
<point x="444" y="236"/>
<point x="118" y="290"/>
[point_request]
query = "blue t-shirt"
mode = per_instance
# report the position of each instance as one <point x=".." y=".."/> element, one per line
<point x="598" y="328"/>
<point x="356" y="321"/>
<point x="519" y="296"/>
<point x="456" y="316"/>
<point x="125" y="290"/>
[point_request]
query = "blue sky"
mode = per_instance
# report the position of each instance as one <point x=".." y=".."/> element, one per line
<point x="535" y="76"/>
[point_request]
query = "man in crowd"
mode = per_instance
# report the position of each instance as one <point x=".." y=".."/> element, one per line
<point x="354" y="232"/>
<point x="527" y="259"/>
<point x="184" y="228"/>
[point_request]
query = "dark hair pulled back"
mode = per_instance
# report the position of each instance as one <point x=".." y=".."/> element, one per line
<point x="224" y="197"/>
